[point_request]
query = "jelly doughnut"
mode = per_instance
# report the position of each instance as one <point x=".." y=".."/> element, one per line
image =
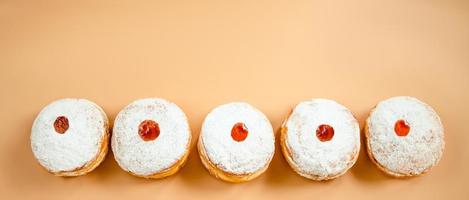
<point x="70" y="137"/>
<point x="320" y="139"/>
<point x="151" y="138"/>
<point x="236" y="143"/>
<point x="404" y="136"/>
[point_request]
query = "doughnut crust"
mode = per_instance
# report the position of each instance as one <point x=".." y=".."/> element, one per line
<point x="410" y="155"/>
<point x="306" y="154"/>
<point x="230" y="160"/>
<point x="156" y="158"/>
<point x="81" y="148"/>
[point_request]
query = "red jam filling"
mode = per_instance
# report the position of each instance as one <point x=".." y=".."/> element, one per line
<point x="61" y="124"/>
<point x="239" y="132"/>
<point x="148" y="130"/>
<point x="324" y="132"/>
<point x="401" y="128"/>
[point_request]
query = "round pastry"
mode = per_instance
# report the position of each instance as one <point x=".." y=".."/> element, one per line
<point x="236" y="143"/>
<point x="151" y="138"/>
<point x="70" y="137"/>
<point x="320" y="139"/>
<point x="404" y="136"/>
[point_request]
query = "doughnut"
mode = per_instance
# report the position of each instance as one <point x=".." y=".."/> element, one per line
<point x="236" y="142"/>
<point x="404" y="137"/>
<point x="70" y="137"/>
<point x="320" y="139"/>
<point x="151" y="138"/>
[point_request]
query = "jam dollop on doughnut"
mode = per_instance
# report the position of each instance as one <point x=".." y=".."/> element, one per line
<point x="401" y="127"/>
<point x="239" y="132"/>
<point x="324" y="132"/>
<point x="61" y="124"/>
<point x="149" y="130"/>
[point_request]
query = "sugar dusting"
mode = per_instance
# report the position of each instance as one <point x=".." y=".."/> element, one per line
<point x="419" y="150"/>
<point x="146" y="158"/>
<point x="79" y="145"/>
<point x="316" y="159"/>
<point x="248" y="156"/>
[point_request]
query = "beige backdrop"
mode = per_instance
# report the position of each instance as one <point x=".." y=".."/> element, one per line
<point x="203" y="53"/>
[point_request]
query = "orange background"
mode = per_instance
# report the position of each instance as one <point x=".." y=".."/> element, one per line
<point x="200" y="54"/>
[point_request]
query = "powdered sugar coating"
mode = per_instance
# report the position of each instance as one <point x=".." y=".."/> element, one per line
<point x="410" y="155"/>
<point x="240" y="158"/>
<point x="145" y="158"/>
<point x="79" y="145"/>
<point x="313" y="158"/>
